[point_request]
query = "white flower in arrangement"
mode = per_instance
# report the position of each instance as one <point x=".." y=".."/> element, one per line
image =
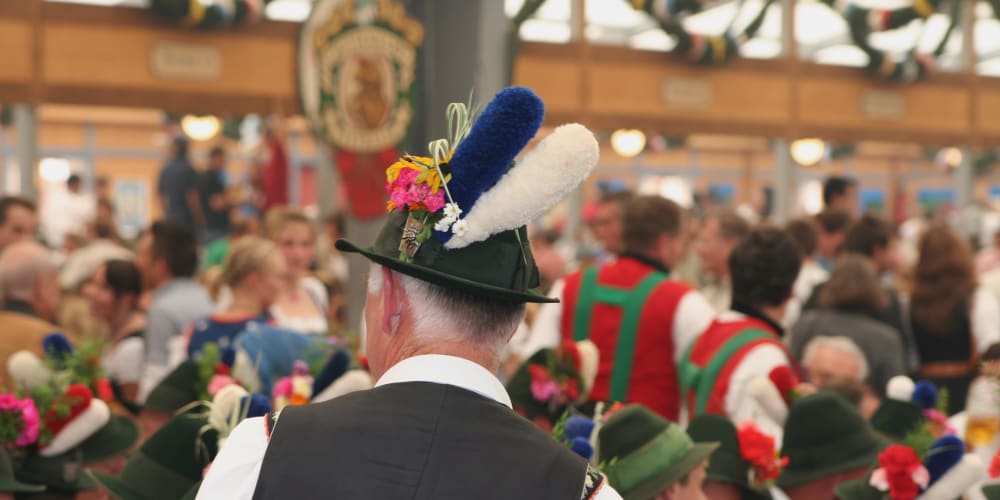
<point x="444" y="224"/>
<point x="460" y="227"/>
<point x="452" y="212"/>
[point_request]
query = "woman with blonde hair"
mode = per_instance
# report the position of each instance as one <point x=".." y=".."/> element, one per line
<point x="954" y="319"/>
<point x="301" y="306"/>
<point x="253" y="272"/>
<point x="849" y="303"/>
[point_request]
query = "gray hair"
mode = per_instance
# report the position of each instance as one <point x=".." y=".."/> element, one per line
<point x="22" y="265"/>
<point x="439" y="313"/>
<point x="840" y="344"/>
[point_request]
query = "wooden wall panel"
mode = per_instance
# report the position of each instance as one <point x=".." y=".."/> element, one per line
<point x="927" y="107"/>
<point x="735" y="96"/>
<point x="556" y="81"/>
<point x="15" y="45"/>
<point x="988" y="112"/>
<point x="119" y="57"/>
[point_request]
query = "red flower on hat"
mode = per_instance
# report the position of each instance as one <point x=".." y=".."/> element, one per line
<point x="900" y="472"/>
<point x="567" y="352"/>
<point x="995" y="465"/>
<point x="77" y="399"/>
<point x="104" y="390"/>
<point x="785" y="380"/>
<point x="760" y="450"/>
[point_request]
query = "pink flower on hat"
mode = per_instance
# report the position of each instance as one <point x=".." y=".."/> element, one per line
<point x="23" y="416"/>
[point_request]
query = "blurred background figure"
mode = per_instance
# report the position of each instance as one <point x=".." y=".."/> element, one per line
<point x="720" y="232"/>
<point x="606" y="224"/>
<point x="336" y="261"/>
<point x="255" y="273"/>
<point x="113" y="292"/>
<point x="213" y="195"/>
<point x="18" y="220"/>
<point x="829" y="359"/>
<point x="301" y="305"/>
<point x="954" y="320"/>
<point x="178" y="188"/>
<point x="29" y="289"/>
<point x="811" y="274"/>
<point x="831" y="228"/>
<point x="847" y="303"/>
<point x="168" y="258"/>
<point x="841" y="194"/>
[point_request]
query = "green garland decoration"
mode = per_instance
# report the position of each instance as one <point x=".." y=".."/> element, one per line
<point x="215" y="14"/>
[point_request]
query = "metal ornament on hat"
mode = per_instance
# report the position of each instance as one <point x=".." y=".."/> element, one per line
<point x="417" y="231"/>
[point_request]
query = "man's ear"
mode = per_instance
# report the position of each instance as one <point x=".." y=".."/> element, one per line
<point x="392" y="301"/>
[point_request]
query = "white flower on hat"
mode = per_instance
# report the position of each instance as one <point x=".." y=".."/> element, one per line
<point x="460" y="227"/>
<point x="452" y="212"/>
<point x="444" y="224"/>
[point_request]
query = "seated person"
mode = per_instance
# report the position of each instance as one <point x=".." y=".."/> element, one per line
<point x="730" y="475"/>
<point x="827" y="442"/>
<point x="253" y="272"/>
<point x="828" y="359"/>
<point x="630" y="443"/>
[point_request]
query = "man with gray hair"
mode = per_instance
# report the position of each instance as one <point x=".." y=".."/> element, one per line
<point x="829" y="359"/>
<point x="451" y="272"/>
<point x="29" y="287"/>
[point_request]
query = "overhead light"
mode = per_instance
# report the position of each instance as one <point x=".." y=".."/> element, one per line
<point x="949" y="157"/>
<point x="628" y="142"/>
<point x="808" y="152"/>
<point x="288" y="10"/>
<point x="200" y="128"/>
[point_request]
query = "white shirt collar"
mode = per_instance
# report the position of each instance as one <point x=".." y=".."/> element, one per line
<point x="451" y="370"/>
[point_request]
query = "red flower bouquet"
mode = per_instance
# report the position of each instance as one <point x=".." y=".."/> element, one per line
<point x="760" y="450"/>
<point x="900" y="472"/>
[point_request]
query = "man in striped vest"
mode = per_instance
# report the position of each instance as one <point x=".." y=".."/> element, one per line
<point x="744" y="343"/>
<point x="640" y="319"/>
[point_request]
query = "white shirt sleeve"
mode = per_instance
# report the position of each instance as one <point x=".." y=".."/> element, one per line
<point x="739" y="405"/>
<point x="127" y="360"/>
<point x="692" y="317"/>
<point x="233" y="474"/>
<point x="607" y="492"/>
<point x="545" y="331"/>
<point x="985" y="319"/>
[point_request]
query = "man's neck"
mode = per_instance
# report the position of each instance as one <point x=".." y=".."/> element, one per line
<point x="648" y="260"/>
<point x="467" y="351"/>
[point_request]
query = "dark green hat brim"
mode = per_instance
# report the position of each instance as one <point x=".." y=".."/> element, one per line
<point x="791" y="478"/>
<point x="991" y="491"/>
<point x="857" y="489"/>
<point x="114" y="439"/>
<point x="655" y="484"/>
<point x="175" y="391"/>
<point x="193" y="492"/>
<point x="48" y="471"/>
<point x="895" y="419"/>
<point x="500" y="268"/>
<point x="115" y="486"/>
<point x="11" y="485"/>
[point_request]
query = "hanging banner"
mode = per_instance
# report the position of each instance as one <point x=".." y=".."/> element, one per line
<point x="357" y="64"/>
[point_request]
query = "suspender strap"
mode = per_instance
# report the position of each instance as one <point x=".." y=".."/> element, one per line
<point x="585" y="304"/>
<point x="635" y="299"/>
<point x="702" y="380"/>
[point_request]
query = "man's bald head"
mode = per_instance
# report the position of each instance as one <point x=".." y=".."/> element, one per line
<point x="28" y="273"/>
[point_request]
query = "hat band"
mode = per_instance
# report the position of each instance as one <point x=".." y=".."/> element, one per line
<point x="831" y="453"/>
<point x="650" y="459"/>
<point x="153" y="480"/>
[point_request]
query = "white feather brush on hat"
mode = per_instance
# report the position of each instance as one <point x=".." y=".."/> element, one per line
<point x="27" y="369"/>
<point x="589" y="359"/>
<point x="959" y="479"/>
<point x="91" y="420"/>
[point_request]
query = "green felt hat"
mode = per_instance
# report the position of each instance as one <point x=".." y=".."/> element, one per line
<point x="501" y="267"/>
<point x="175" y="391"/>
<point x="117" y="437"/>
<point x="167" y="465"/>
<point x="519" y="386"/>
<point x="825" y="435"/>
<point x="991" y="491"/>
<point x="193" y="492"/>
<point x="895" y="419"/>
<point x="8" y="482"/>
<point x="60" y="474"/>
<point x="858" y="489"/>
<point x="726" y="464"/>
<point x="646" y="453"/>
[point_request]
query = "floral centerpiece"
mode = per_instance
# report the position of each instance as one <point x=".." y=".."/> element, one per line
<point x="761" y="451"/>
<point x="548" y="384"/>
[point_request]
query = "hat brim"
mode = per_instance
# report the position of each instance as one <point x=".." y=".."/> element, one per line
<point x="748" y="493"/>
<point x="114" y="439"/>
<point x="193" y="492"/>
<point x="991" y="491"/>
<point x="11" y="485"/>
<point x="651" y="487"/>
<point x="856" y="489"/>
<point x="115" y="486"/>
<point x="445" y="280"/>
<point x="791" y="478"/>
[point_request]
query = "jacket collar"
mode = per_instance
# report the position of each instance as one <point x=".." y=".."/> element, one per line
<point x="655" y="264"/>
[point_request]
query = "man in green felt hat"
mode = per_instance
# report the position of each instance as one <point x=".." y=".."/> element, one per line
<point x="827" y="442"/>
<point x="451" y="271"/>
<point x="648" y="457"/>
<point x="62" y="476"/>
<point x="167" y="465"/>
<point x="730" y="476"/>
